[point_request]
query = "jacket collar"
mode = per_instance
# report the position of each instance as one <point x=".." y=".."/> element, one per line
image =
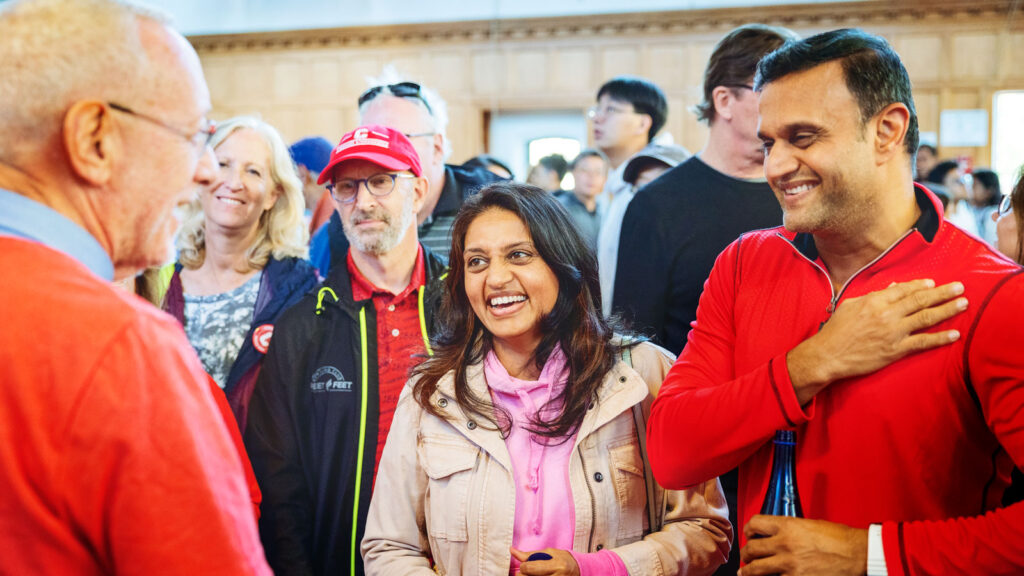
<point x="451" y="195"/>
<point x="927" y="224"/>
<point x="340" y="282"/>
<point x="621" y="389"/>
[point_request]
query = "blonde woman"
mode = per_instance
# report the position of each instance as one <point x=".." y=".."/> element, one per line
<point x="241" y="257"/>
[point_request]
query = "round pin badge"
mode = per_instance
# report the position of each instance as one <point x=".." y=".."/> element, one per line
<point x="261" y="337"/>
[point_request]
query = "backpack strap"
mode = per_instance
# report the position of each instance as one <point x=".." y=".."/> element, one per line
<point x="654" y="512"/>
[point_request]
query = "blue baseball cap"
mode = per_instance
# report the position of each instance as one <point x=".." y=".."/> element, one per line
<point x="313" y="153"/>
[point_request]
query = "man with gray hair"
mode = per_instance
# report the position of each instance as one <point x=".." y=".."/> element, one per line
<point x="675" y="227"/>
<point x="420" y="114"/>
<point x="114" y="458"/>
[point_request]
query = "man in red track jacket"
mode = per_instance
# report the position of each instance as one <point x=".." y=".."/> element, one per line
<point x="885" y="336"/>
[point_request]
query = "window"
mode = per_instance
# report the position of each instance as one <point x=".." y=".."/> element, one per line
<point x="567" y="147"/>
<point x="1007" y="145"/>
<point x="520" y="138"/>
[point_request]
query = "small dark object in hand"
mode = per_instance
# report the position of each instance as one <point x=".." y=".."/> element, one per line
<point x="539" y="556"/>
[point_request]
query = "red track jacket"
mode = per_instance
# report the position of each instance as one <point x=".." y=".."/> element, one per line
<point x="923" y="446"/>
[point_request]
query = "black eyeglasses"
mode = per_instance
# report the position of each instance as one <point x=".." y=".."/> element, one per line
<point x="747" y="86"/>
<point x="201" y="136"/>
<point x="402" y="90"/>
<point x="346" y="189"/>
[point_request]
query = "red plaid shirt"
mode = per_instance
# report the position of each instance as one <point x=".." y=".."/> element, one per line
<point x="399" y="339"/>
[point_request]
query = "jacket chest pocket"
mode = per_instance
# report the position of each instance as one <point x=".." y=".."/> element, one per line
<point x="449" y="468"/>
<point x="627" y="467"/>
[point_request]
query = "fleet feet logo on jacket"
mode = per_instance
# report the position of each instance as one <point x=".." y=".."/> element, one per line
<point x="329" y="379"/>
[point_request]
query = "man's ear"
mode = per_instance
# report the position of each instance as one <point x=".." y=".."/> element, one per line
<point x="890" y="130"/>
<point x="420" y="189"/>
<point x="438" y="148"/>
<point x="90" y="142"/>
<point x="722" y="98"/>
<point x="645" y="124"/>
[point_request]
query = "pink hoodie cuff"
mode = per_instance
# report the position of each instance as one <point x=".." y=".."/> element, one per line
<point x="603" y="562"/>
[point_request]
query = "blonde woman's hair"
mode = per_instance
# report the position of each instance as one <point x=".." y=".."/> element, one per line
<point x="281" y="231"/>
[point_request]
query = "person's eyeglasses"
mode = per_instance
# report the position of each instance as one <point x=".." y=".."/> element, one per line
<point x="1005" y="205"/>
<point x="747" y="86"/>
<point x="402" y="90"/>
<point x="346" y="189"/>
<point x="594" y="112"/>
<point x="418" y="134"/>
<point x="201" y="136"/>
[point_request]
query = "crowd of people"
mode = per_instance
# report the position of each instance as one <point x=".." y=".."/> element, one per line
<point x="360" y="358"/>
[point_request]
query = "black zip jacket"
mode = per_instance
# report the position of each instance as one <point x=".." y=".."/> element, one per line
<point x="312" y="431"/>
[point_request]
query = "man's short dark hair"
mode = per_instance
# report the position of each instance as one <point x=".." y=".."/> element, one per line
<point x="587" y="153"/>
<point x="734" y="60"/>
<point x="938" y="173"/>
<point x="644" y="95"/>
<point x="990" y="180"/>
<point x="556" y="163"/>
<point x="929" y="148"/>
<point x="873" y="71"/>
<point x="486" y="161"/>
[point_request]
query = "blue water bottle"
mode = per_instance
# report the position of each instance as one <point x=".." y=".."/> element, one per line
<point x="782" y="498"/>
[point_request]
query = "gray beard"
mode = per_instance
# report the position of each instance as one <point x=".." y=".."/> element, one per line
<point x="382" y="242"/>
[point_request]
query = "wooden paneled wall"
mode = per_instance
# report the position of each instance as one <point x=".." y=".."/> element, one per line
<point x="958" y="53"/>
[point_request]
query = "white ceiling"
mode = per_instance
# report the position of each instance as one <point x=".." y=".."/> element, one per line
<point x="237" y="16"/>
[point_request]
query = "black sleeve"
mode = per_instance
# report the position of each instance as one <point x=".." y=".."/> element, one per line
<point x="286" y="522"/>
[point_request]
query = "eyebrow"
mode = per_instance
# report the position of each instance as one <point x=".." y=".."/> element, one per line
<point x="505" y="248"/>
<point x="789" y="129"/>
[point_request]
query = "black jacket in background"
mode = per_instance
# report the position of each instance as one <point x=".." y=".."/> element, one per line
<point x="307" y="415"/>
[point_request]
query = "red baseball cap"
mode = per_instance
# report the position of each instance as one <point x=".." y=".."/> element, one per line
<point x="386" y="147"/>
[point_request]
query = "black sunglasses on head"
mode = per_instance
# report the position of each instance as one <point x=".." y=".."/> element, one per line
<point x="402" y="90"/>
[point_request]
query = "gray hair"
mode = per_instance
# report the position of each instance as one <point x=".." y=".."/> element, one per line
<point x="282" y="229"/>
<point x="438" y="108"/>
<point x="56" y="52"/>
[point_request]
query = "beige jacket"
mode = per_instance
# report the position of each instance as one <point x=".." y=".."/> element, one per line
<point x="445" y="488"/>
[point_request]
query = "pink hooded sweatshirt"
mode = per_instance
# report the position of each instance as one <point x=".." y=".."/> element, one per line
<point x="544" y="515"/>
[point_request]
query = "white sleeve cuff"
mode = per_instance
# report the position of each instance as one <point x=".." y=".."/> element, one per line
<point x="876" y="552"/>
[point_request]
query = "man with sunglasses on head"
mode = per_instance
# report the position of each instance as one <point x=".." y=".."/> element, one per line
<point x="422" y="116"/>
<point x="322" y="408"/>
<point x="114" y="457"/>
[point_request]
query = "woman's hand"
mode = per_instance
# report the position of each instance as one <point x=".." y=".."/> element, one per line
<point x="561" y="563"/>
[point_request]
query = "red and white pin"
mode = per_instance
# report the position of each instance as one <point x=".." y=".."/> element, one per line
<point x="261" y="337"/>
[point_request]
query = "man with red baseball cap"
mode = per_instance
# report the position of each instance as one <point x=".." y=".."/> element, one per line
<point x="323" y="404"/>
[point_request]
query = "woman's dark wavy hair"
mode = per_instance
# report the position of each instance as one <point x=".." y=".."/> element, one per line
<point x="575" y="322"/>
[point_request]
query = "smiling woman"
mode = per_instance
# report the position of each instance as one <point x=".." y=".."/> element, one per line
<point x="241" y="251"/>
<point x="524" y="432"/>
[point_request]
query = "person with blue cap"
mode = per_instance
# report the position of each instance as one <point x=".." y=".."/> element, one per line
<point x="310" y="156"/>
